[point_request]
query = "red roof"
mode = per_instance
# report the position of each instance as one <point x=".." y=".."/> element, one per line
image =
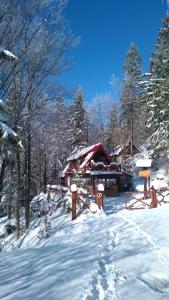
<point x="88" y="153"/>
<point x="84" y="151"/>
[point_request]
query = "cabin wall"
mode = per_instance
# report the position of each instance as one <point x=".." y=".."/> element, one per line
<point x="127" y="150"/>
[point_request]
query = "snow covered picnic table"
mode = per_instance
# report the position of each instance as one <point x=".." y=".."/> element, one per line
<point x="118" y="255"/>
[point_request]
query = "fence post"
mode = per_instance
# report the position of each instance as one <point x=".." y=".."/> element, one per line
<point x="99" y="195"/>
<point x="154" y="198"/>
<point x="74" y="197"/>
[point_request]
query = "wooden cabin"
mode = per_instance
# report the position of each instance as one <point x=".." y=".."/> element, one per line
<point x="92" y="165"/>
<point x="123" y="152"/>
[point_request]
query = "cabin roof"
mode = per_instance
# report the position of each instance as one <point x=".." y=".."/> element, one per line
<point x="120" y="148"/>
<point x="84" y="151"/>
<point x="88" y="153"/>
<point x="116" y="151"/>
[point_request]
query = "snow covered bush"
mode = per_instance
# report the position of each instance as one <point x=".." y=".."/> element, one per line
<point x="45" y="228"/>
<point x="40" y="203"/>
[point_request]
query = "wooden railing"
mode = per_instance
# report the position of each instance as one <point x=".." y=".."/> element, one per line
<point x="77" y="199"/>
<point x="148" y="199"/>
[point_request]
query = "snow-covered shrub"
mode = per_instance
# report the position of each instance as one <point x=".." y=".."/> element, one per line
<point x="45" y="229"/>
<point x="67" y="203"/>
<point x="40" y="203"/>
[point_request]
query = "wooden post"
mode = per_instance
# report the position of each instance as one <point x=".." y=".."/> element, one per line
<point x="74" y="198"/>
<point x="149" y="182"/>
<point x="99" y="195"/>
<point x="145" y="185"/>
<point x="99" y="199"/>
<point x="154" y="200"/>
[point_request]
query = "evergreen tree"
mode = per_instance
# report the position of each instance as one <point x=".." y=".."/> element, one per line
<point x="77" y="120"/>
<point x="156" y="92"/>
<point x="131" y="92"/>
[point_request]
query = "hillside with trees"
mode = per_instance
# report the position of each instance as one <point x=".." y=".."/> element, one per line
<point x="34" y="103"/>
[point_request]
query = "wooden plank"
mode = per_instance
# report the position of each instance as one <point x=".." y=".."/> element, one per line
<point x="145" y="173"/>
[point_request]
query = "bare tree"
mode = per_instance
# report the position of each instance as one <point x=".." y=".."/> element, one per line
<point x="37" y="32"/>
<point x="99" y="111"/>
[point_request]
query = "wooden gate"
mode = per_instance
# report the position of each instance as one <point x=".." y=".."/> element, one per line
<point x="137" y="201"/>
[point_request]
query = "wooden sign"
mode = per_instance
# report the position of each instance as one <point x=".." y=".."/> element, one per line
<point x="145" y="173"/>
<point x="144" y="163"/>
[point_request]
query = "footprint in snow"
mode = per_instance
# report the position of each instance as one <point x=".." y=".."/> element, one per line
<point x="158" y="282"/>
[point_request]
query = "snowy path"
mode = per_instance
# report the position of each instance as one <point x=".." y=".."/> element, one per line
<point x="119" y="256"/>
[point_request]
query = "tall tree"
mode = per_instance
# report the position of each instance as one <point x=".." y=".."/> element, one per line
<point x="131" y="92"/>
<point x="38" y="33"/>
<point x="77" y="120"/>
<point x="112" y="131"/>
<point x="99" y="110"/>
<point x="156" y="92"/>
<point x="9" y="148"/>
<point x="8" y="138"/>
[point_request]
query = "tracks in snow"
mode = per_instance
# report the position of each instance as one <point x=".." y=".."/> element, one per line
<point x="109" y="282"/>
<point x="107" y="278"/>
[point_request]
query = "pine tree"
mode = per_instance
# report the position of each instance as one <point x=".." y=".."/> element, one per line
<point x="156" y="92"/>
<point x="131" y="92"/>
<point x="77" y="120"/>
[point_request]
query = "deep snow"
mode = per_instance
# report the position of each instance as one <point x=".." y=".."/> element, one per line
<point x="117" y="255"/>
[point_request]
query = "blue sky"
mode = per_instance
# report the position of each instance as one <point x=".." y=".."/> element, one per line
<point x="107" y="28"/>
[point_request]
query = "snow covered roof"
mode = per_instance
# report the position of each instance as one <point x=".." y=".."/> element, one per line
<point x="100" y="172"/>
<point x="84" y="151"/>
<point x="144" y="163"/>
<point x="66" y="170"/>
<point x="87" y="159"/>
<point x="116" y="151"/>
<point x="120" y="148"/>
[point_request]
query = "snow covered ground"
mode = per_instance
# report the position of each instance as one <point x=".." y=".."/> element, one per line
<point x="118" y="254"/>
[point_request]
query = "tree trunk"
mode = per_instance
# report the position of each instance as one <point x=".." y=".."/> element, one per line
<point x="18" y="194"/>
<point x="28" y="198"/>
<point x="2" y="174"/>
<point x="45" y="176"/>
<point x="10" y="192"/>
<point x="132" y="129"/>
<point x="25" y="172"/>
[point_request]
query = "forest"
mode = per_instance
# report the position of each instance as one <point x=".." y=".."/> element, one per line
<point x="42" y="121"/>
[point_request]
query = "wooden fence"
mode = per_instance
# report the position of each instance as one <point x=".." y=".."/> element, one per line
<point x="150" y="199"/>
<point x="77" y="199"/>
